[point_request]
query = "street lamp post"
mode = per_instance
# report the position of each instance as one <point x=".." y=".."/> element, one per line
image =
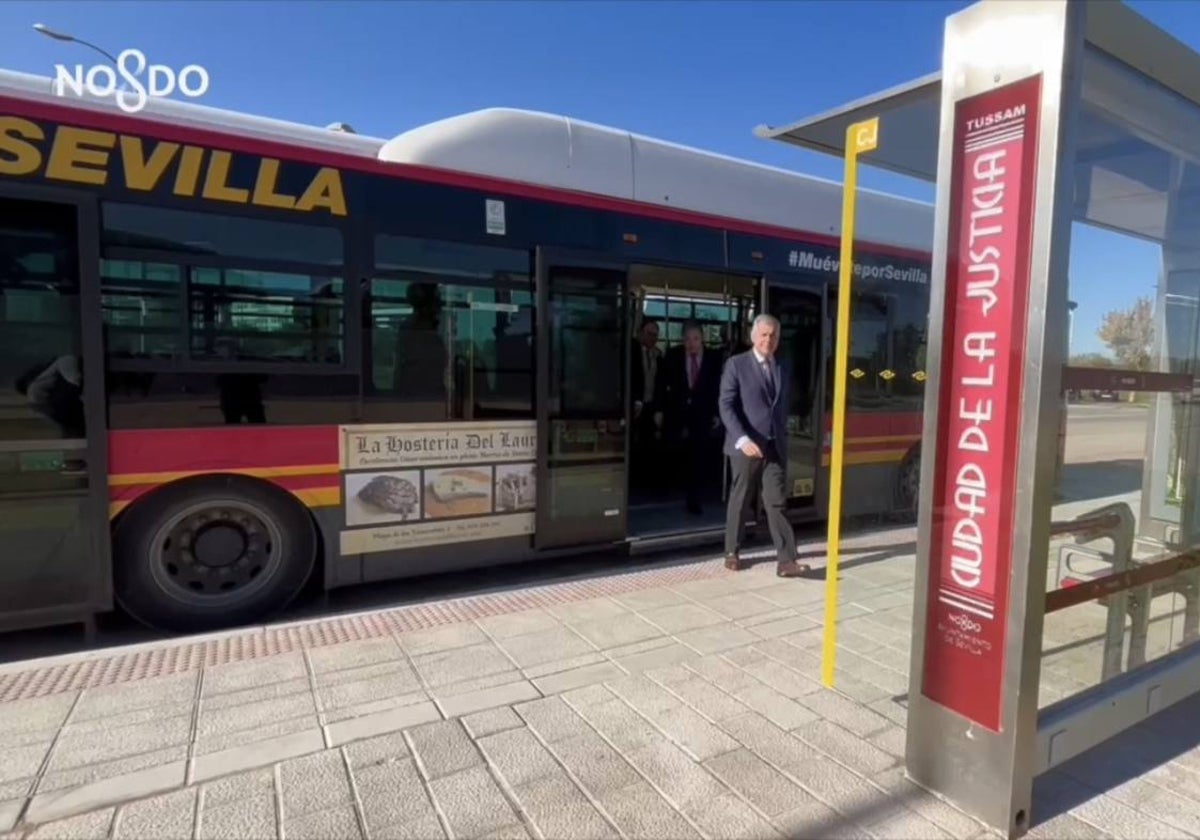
<point x="62" y="36"/>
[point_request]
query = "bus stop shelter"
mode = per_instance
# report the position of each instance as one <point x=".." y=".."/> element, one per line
<point x="1048" y="118"/>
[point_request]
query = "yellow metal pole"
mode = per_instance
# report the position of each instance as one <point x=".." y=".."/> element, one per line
<point x="860" y="137"/>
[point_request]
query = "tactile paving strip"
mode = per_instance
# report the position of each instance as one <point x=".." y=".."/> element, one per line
<point x="179" y="658"/>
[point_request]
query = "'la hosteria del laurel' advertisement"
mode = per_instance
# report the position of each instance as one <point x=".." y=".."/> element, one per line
<point x="410" y="485"/>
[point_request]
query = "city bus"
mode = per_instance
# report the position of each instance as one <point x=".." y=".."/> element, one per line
<point x="241" y="355"/>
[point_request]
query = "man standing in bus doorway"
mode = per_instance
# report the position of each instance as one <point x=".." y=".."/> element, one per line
<point x="691" y="379"/>
<point x="753" y="403"/>
<point x="645" y="393"/>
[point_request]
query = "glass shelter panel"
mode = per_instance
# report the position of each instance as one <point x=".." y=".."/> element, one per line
<point x="1128" y="486"/>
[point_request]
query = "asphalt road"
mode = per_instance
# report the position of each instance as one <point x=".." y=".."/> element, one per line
<point x="1105" y="454"/>
<point x="1105" y="432"/>
<point x="1105" y="444"/>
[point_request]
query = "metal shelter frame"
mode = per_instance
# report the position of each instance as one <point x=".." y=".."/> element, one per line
<point x="1011" y="141"/>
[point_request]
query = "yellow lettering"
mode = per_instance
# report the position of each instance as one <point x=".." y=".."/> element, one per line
<point x="17" y="155"/>
<point x="324" y="191"/>
<point x="76" y="151"/>
<point x="83" y="156"/>
<point x="142" y="173"/>
<point x="188" y="173"/>
<point x="264" y="187"/>
<point x="216" y="180"/>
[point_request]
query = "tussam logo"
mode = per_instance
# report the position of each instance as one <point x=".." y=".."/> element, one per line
<point x="809" y="261"/>
<point x="132" y="96"/>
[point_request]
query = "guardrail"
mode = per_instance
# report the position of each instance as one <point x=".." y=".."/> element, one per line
<point x="1129" y="588"/>
<point x="1140" y="585"/>
<point x="1125" y="587"/>
<point x="1114" y="522"/>
<point x="1111" y="379"/>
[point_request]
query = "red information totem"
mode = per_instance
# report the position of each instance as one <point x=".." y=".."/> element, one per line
<point x="986" y="304"/>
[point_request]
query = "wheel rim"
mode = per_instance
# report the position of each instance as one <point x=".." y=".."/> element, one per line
<point x="216" y="553"/>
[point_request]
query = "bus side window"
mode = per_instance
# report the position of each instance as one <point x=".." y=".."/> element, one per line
<point x="449" y="332"/>
<point x="40" y="371"/>
<point x="213" y="319"/>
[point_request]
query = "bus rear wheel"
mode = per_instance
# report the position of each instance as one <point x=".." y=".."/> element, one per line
<point x="211" y="552"/>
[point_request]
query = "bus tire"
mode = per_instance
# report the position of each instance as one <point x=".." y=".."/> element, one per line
<point x="908" y="483"/>
<point x="211" y="552"/>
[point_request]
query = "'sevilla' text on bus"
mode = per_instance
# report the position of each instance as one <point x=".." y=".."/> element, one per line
<point x="103" y="158"/>
<point x="101" y="80"/>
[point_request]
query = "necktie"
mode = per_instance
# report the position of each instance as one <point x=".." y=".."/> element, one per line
<point x="766" y="366"/>
<point x="692" y="371"/>
<point x="648" y="360"/>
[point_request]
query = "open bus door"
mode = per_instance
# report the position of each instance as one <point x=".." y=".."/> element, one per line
<point x="581" y="399"/>
<point x="744" y="298"/>
<point x="802" y="308"/>
<point x="53" y="455"/>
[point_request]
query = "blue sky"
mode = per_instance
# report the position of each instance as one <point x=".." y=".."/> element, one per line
<point x="700" y="73"/>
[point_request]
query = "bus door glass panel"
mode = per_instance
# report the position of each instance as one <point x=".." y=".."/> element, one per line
<point x="909" y="316"/>
<point x="741" y="305"/>
<point x="869" y="365"/>
<point x="581" y="403"/>
<point x="46" y="520"/>
<point x="800" y="313"/>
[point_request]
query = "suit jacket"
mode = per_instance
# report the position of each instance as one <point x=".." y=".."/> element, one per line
<point x="687" y="406"/>
<point x="637" y="375"/>
<point x="746" y="408"/>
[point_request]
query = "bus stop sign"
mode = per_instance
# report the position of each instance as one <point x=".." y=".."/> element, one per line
<point x="986" y="304"/>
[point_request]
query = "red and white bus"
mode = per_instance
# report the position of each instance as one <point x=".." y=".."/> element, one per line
<point x="238" y="353"/>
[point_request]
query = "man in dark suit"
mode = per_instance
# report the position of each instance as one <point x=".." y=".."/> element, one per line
<point x="645" y="394"/>
<point x="691" y="380"/>
<point x="753" y="403"/>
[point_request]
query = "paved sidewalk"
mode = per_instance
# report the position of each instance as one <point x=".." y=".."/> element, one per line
<point x="663" y="703"/>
